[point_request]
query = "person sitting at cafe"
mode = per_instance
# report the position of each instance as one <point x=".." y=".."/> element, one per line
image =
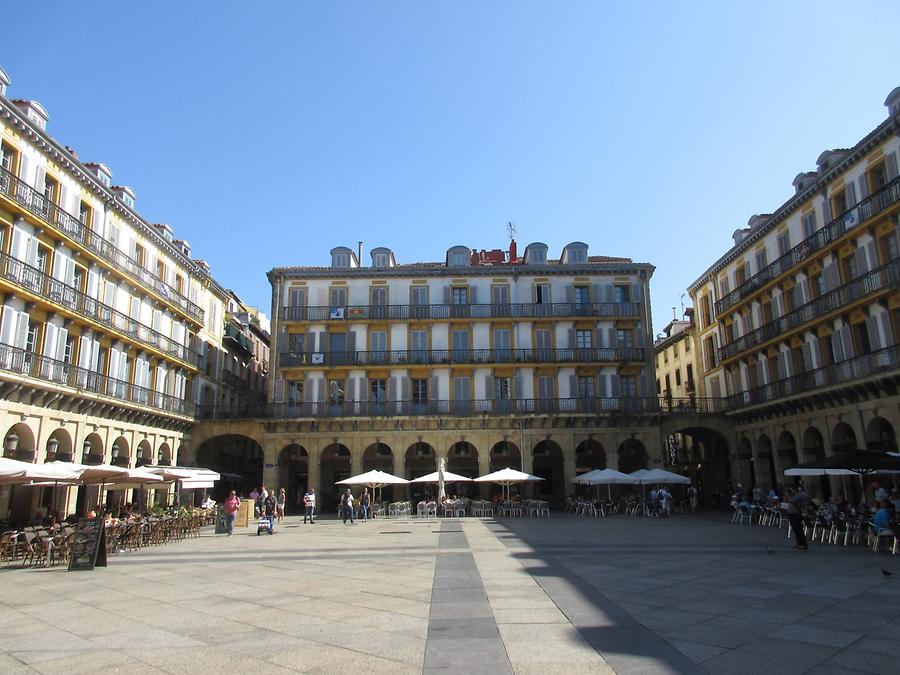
<point x="881" y="524"/>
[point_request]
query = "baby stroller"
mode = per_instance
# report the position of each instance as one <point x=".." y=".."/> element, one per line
<point x="265" y="524"/>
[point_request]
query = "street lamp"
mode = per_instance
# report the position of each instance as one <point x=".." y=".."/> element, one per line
<point x="12" y="442"/>
<point x="52" y="447"/>
<point x="86" y="448"/>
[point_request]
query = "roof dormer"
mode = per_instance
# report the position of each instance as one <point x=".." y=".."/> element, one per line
<point x="4" y="82"/>
<point x="803" y="180"/>
<point x="892" y="102"/>
<point x="343" y="258"/>
<point x="103" y="173"/>
<point x="125" y="193"/>
<point x="536" y="253"/>
<point x="383" y="258"/>
<point x="34" y="111"/>
<point x="459" y="256"/>
<point x="165" y="230"/>
<point x="575" y="253"/>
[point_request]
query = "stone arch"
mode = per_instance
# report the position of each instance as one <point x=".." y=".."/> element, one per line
<point x="293" y="475"/>
<point x="632" y="455"/>
<point x="120" y="451"/>
<point x="59" y="446"/>
<point x="143" y="454"/>
<point x="843" y="438"/>
<point x="237" y="458"/>
<point x="335" y="464"/>
<point x="787" y="452"/>
<point x="164" y="455"/>
<point x="747" y="469"/>
<point x="19" y="443"/>
<point x="378" y="456"/>
<point x="813" y="445"/>
<point x="548" y="463"/>
<point x="462" y="458"/>
<point x="182" y="456"/>
<point x="92" y="450"/>
<point x="589" y="455"/>
<point x="419" y="460"/>
<point x="505" y="454"/>
<point x="880" y="435"/>
<point x="766" y="460"/>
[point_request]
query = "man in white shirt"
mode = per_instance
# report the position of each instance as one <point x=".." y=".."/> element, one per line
<point x="309" y="503"/>
<point x="347" y="507"/>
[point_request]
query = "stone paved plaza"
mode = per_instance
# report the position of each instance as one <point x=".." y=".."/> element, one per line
<point x="624" y="595"/>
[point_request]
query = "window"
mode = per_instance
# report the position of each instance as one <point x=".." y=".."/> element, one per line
<point x="418" y="295"/>
<point x="687" y="346"/>
<point x="378" y="391"/>
<point x="337" y="297"/>
<point x="499" y="295"/>
<point x="690" y="377"/>
<point x="294" y="392"/>
<point x="576" y="255"/>
<point x="724" y="288"/>
<point x="889" y="247"/>
<point x="460" y="295"/>
<point x="378" y="295"/>
<point x="8" y="158"/>
<point x="628" y="386"/>
<point x="297" y="343"/>
<point x="622" y="293"/>
<point x="809" y="224"/>
<point x="678" y="377"/>
<point x="668" y="386"/>
<point x="761" y="261"/>
<point x="784" y="243"/>
<point x="582" y="297"/>
<point x="459" y="259"/>
<point x="542" y="294"/>
<point x="819" y="285"/>
<point x="335" y="391"/>
<point x="419" y="391"/>
<point x="43" y="254"/>
<point x="586" y="387"/>
<point x="461" y="398"/>
<point x="51" y="189"/>
<point x="625" y="339"/>
<point x="583" y="339"/>
<point x="705" y="312"/>
<point x="460" y="345"/>
<point x="850" y="268"/>
<point x="378" y="346"/>
<point x="502" y="344"/>
<point x="502" y="389"/>
<point x="543" y="344"/>
<point x="381" y="259"/>
<point x="419" y="344"/>
<point x="85" y="214"/>
<point x="877" y="177"/>
<point x="340" y="260"/>
<point x="160" y="270"/>
<point x="139" y="254"/>
<point x="839" y="203"/>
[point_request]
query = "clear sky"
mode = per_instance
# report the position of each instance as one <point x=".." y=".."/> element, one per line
<point x="267" y="133"/>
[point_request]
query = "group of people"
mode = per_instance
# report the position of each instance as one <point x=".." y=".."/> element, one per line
<point x="349" y="503"/>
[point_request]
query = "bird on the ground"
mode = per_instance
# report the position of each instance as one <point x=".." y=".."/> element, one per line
<point x="886" y="573"/>
<point x="770" y="551"/>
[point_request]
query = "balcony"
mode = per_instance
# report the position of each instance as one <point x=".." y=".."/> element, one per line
<point x="876" y="203"/>
<point x="36" y="282"/>
<point x="460" y="356"/>
<point x="234" y="381"/>
<point x="859" y="367"/>
<point x="237" y="338"/>
<point x="29" y="364"/>
<point x="882" y="278"/>
<point x="445" y="312"/>
<point x="71" y="227"/>
<point x="544" y="406"/>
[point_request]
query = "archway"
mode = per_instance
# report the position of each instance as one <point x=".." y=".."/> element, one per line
<point x="59" y="446"/>
<point x="19" y="443"/>
<point x="293" y="475"/>
<point x="746" y="470"/>
<point x="92" y="449"/>
<point x="120" y="455"/>
<point x="239" y="461"/>
<point x="787" y="452"/>
<point x="632" y="456"/>
<point x="54" y="498"/>
<point x="766" y="460"/>
<point x="548" y="463"/>
<point x="843" y="438"/>
<point x="462" y="458"/>
<point x="92" y="452"/>
<point x="164" y="455"/>
<point x="336" y="464"/>
<point x="505" y="455"/>
<point x="589" y="455"/>
<point x="380" y="457"/>
<point x="813" y="448"/>
<point x="143" y="454"/>
<point x="420" y="459"/>
<point x="880" y="435"/>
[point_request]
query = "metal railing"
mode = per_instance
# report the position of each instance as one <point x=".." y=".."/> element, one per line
<point x="235" y="381"/>
<point x="432" y="312"/>
<point x="30" y="364"/>
<point x="870" y="206"/>
<point x="234" y="334"/>
<point x="455" y="356"/>
<point x="886" y="276"/>
<point x="67" y="224"/>
<point x="838" y="373"/>
<point x="37" y="282"/>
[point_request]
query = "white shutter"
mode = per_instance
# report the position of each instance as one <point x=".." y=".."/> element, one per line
<point x="62" y="337"/>
<point x="21" y="338"/>
<point x="49" y="340"/>
<point x="874" y="335"/>
<point x="95" y="355"/>
<point x="122" y="373"/>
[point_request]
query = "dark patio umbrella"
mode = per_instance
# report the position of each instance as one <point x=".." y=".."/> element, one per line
<point x="861" y="462"/>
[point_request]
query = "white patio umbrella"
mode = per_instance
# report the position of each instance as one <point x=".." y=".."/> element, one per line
<point x="14" y="472"/>
<point x="373" y="479"/>
<point x="608" y="477"/>
<point x="661" y="476"/>
<point x="449" y="477"/>
<point x="507" y="477"/>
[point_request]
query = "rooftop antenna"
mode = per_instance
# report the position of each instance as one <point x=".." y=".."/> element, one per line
<point x="674" y="316"/>
<point x="511" y="230"/>
<point x="682" y="304"/>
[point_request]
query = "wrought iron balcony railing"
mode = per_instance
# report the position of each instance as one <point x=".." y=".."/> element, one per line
<point x="241" y="341"/>
<point x="67" y="224"/>
<point x="37" y="282"/>
<point x="437" y="312"/>
<point x="843" y="372"/>
<point x="871" y="206"/>
<point x="886" y="276"/>
<point x="234" y="381"/>
<point x="30" y="364"/>
<point x="458" y="356"/>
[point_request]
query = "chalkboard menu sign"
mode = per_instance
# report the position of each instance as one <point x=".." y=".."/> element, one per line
<point x="89" y="548"/>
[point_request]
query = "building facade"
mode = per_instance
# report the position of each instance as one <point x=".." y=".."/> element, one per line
<point x="487" y="359"/>
<point x="675" y="353"/>
<point x="100" y="314"/>
<point x="798" y="322"/>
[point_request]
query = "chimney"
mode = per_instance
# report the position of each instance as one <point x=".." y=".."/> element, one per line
<point x="513" y="254"/>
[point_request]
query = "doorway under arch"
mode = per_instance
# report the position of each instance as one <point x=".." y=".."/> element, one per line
<point x="880" y="435"/>
<point x="766" y="460"/>
<point x="293" y="475"/>
<point x="335" y="464"/>
<point x="632" y="456"/>
<point x="462" y="458"/>
<point x="420" y="460"/>
<point x="843" y="438"/>
<point x="505" y="455"/>
<point x="548" y="463"/>
<point x="813" y="449"/>
<point x="239" y="461"/>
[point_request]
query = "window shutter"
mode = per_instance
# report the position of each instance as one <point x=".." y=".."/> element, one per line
<point x="715" y="354"/>
<point x="850" y="194"/>
<point x="608" y="293"/>
<point x="596" y="293"/>
<point x="776" y="306"/>
<point x="826" y="211"/>
<point x="614" y="385"/>
<point x="40" y="178"/>
<point x="518" y="387"/>
<point x="406" y="388"/>
<point x="363" y="384"/>
<point x="847" y="341"/>
<point x="863" y="187"/>
<point x="872" y="255"/>
<point x="807" y="357"/>
<point x="488" y="387"/>
<point x="113" y="362"/>
<point x="645" y="384"/>
<point x="804" y="291"/>
<point x="473" y="295"/>
<point x="49" y="340"/>
<point x="351" y="345"/>
<point x="392" y="388"/>
<point x="434" y="389"/>
<point x="64" y="198"/>
<point x="279" y="390"/>
<point x="308" y="391"/>
<point x="321" y="387"/>
<point x="601" y="386"/>
<point x="890" y="164"/>
<point x="761" y="373"/>
<point x="884" y="318"/>
<point x="637" y="293"/>
<point x="322" y="342"/>
<point x="123" y="367"/>
<point x="862" y="264"/>
<point x="95" y="355"/>
<point x="779" y="366"/>
<point x="573" y="386"/>
<point x="598" y="338"/>
<point x="62" y="336"/>
<point x="837" y="347"/>
<point x="832" y="277"/>
<point x="31" y="251"/>
<point x="874" y="334"/>
<point x="639" y="334"/>
<point x="611" y="337"/>
<point x="23" y="169"/>
<point x="570" y="293"/>
<point x="572" y="338"/>
<point x="448" y="295"/>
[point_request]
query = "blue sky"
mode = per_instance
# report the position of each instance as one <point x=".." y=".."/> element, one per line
<point x="267" y="133"/>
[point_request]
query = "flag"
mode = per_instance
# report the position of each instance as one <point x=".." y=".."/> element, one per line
<point x="337" y="313"/>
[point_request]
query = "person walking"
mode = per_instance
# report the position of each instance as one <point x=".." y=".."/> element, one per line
<point x="364" y="502"/>
<point x="280" y="503"/>
<point x="270" y="506"/>
<point x="309" y="505"/>
<point x="797" y="503"/>
<point x="693" y="497"/>
<point x="254" y="497"/>
<point x="232" y="504"/>
<point x="347" y="507"/>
